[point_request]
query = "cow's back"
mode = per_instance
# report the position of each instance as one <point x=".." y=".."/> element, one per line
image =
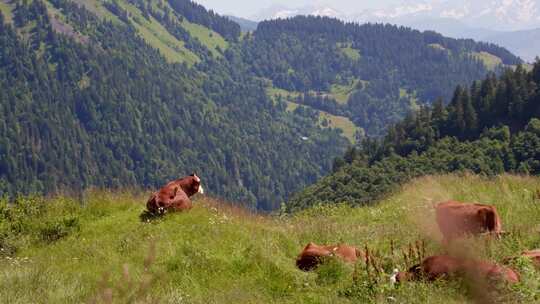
<point x="485" y="270"/>
<point x="181" y="201"/>
<point x="313" y="254"/>
<point x="347" y="253"/>
<point x="456" y="219"/>
<point x="435" y="267"/>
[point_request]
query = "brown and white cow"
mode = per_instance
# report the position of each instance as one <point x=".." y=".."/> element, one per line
<point x="175" y="196"/>
<point x="456" y="219"/>
<point x="314" y="254"/>
<point x="444" y="266"/>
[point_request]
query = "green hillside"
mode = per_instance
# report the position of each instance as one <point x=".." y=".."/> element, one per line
<point x="212" y="40"/>
<point x="6" y="9"/>
<point x="156" y="35"/>
<point x="326" y="120"/>
<point x="116" y="93"/>
<point x="57" y="251"/>
<point x="362" y="68"/>
<point x="490" y="61"/>
<point x="134" y="93"/>
<point x="491" y="128"/>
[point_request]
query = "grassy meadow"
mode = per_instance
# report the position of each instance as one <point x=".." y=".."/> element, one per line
<point x="57" y="250"/>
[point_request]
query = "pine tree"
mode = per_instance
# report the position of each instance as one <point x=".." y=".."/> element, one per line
<point x="457" y="110"/>
<point x="439" y="112"/>
<point x="470" y="116"/>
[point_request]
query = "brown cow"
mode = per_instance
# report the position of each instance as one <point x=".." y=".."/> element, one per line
<point x="457" y="219"/>
<point x="313" y="255"/>
<point x="491" y="271"/>
<point x="444" y="266"/>
<point x="431" y="268"/>
<point x="175" y="196"/>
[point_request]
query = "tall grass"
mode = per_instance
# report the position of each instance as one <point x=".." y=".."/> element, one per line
<point x="58" y="251"/>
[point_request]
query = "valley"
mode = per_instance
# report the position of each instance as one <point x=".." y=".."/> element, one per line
<point x="197" y="63"/>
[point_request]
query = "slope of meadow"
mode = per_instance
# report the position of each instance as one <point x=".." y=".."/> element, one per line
<point x="54" y="251"/>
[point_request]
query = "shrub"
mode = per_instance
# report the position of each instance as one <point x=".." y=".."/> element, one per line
<point x="52" y="231"/>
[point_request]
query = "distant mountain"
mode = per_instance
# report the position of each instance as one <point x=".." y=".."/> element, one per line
<point x="500" y="15"/>
<point x="510" y="24"/>
<point x="280" y="11"/>
<point x="450" y="27"/>
<point x="500" y="22"/>
<point x="246" y="25"/>
<point x="525" y="44"/>
<point x="372" y="74"/>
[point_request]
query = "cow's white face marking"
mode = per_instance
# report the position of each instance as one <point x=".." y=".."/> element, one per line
<point x="201" y="190"/>
<point x="197" y="178"/>
<point x="393" y="277"/>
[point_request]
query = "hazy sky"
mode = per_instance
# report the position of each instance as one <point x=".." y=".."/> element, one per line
<point x="248" y="8"/>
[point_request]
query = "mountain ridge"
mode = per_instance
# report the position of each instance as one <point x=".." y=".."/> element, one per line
<point x="481" y="22"/>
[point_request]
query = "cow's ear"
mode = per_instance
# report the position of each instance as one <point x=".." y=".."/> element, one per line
<point x="488" y="219"/>
<point x="192" y="174"/>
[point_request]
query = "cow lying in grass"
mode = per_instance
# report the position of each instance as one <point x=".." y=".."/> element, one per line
<point x="457" y="219"/>
<point x="313" y="255"/>
<point x="175" y="196"/>
<point x="443" y="266"/>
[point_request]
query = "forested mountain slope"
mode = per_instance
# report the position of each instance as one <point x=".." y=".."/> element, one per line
<point x="107" y="96"/>
<point x="136" y="92"/>
<point x="371" y="73"/>
<point x="490" y="128"/>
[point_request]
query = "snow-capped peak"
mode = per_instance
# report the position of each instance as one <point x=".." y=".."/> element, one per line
<point x="403" y="10"/>
<point x="326" y="11"/>
<point x="283" y="12"/>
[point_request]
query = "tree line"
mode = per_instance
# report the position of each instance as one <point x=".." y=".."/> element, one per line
<point x="489" y="128"/>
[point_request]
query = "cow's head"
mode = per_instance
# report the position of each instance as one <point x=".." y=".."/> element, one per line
<point x="490" y="221"/>
<point x="197" y="184"/>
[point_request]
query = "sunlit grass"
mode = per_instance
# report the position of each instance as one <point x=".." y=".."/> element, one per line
<point x="341" y="93"/>
<point x="207" y="37"/>
<point x="326" y="120"/>
<point x="157" y="36"/>
<point x="490" y="61"/>
<point x="7" y="11"/>
<point x="220" y="254"/>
